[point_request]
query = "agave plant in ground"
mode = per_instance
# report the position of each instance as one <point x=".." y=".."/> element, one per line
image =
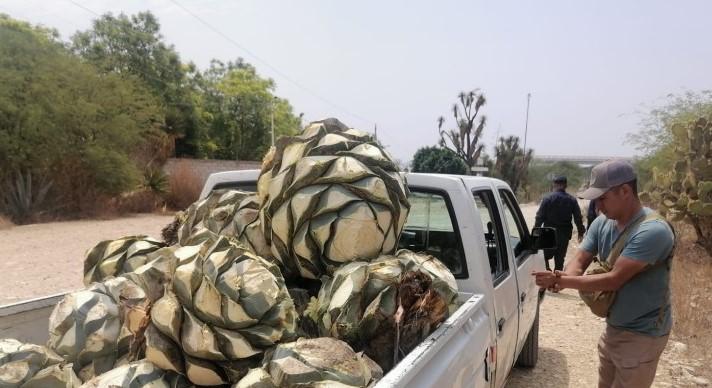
<point x="385" y="305"/>
<point x="224" y="309"/>
<point x="100" y="327"/>
<point x="33" y="366"/>
<point x="114" y="257"/>
<point x="330" y="196"/>
<point x="318" y="362"/>
<point x="139" y="374"/>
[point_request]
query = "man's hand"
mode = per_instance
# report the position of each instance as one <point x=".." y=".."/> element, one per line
<point x="545" y="279"/>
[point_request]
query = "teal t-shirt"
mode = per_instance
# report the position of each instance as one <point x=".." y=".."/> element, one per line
<point x="638" y="302"/>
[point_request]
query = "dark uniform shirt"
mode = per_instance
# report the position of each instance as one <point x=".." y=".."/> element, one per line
<point x="557" y="209"/>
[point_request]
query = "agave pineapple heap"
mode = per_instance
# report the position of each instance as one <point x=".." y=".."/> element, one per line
<point x="369" y="304"/>
<point x="100" y="327"/>
<point x="30" y="366"/>
<point x="318" y="362"/>
<point x="330" y="196"/>
<point x="223" y="310"/>
<point x="114" y="257"/>
<point x="230" y="213"/>
<point x="137" y="374"/>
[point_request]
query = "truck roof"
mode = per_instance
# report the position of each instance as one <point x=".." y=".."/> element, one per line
<point x="223" y="179"/>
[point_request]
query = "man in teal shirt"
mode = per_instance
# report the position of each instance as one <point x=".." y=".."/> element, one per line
<point x="639" y="321"/>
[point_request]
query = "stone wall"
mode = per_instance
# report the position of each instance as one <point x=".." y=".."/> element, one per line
<point x="202" y="168"/>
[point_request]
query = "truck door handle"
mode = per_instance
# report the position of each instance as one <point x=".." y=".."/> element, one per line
<point x="500" y="325"/>
<point x="522" y="297"/>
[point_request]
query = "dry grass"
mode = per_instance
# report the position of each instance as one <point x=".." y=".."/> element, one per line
<point x="184" y="186"/>
<point x="5" y="223"/>
<point x="692" y="296"/>
<point x="141" y="201"/>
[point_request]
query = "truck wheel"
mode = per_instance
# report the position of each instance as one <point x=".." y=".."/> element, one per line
<point x="530" y="352"/>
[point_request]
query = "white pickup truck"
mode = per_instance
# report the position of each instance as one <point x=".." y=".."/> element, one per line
<point x="474" y="226"/>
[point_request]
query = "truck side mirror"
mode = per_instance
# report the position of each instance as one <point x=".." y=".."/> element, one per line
<point x="543" y="238"/>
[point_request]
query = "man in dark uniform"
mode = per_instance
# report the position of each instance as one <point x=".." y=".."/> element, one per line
<point x="556" y="211"/>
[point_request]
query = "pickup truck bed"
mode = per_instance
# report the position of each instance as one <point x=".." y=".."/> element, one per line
<point x="27" y="322"/>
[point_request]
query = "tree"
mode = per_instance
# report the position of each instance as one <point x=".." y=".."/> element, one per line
<point x="133" y="47"/>
<point x="438" y="160"/>
<point x="511" y="164"/>
<point x="465" y="138"/>
<point x="64" y="124"/>
<point x="240" y="105"/>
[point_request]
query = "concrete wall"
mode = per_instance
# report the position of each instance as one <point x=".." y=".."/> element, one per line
<point x="204" y="167"/>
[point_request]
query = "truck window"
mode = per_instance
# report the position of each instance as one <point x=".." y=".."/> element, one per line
<point x="432" y="228"/>
<point x="492" y="226"/>
<point x="516" y="225"/>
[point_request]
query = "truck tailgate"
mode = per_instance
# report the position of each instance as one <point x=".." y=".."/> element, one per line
<point x="452" y="356"/>
<point x="28" y="321"/>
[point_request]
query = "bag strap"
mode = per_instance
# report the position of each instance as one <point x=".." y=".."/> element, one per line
<point x="619" y="244"/>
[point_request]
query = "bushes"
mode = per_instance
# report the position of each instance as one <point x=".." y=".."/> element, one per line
<point x="63" y="122"/>
<point x="438" y="160"/>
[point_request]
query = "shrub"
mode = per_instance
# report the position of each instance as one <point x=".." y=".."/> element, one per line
<point x="438" y="160"/>
<point x="683" y="191"/>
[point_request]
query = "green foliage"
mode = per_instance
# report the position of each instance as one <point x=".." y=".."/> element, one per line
<point x="155" y="181"/>
<point x="511" y="164"/>
<point x="93" y="114"/>
<point x="655" y="138"/>
<point x="133" y="47"/>
<point x="464" y="140"/>
<point x="23" y="196"/>
<point x="683" y="191"/>
<point x="438" y="160"/>
<point x="60" y="118"/>
<point x="239" y="106"/>
<point x="540" y="175"/>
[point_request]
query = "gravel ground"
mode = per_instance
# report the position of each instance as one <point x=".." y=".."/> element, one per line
<point x="42" y="259"/>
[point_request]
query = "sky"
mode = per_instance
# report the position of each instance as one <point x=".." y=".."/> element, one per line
<point x="593" y="68"/>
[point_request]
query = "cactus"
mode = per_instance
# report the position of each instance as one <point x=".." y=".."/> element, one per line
<point x="685" y="191"/>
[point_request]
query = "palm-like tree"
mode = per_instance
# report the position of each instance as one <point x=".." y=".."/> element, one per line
<point x="512" y="163"/>
<point x="464" y="140"/>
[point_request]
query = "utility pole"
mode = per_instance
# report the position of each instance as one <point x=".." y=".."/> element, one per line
<point x="375" y="131"/>
<point x="526" y="123"/>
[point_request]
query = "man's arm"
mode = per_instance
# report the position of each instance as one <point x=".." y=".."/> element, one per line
<point x="578" y="220"/>
<point x="541" y="213"/>
<point x="624" y="269"/>
<point x="580" y="262"/>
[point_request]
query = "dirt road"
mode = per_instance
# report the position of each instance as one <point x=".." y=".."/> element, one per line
<point x="568" y="339"/>
<point x="42" y="259"/>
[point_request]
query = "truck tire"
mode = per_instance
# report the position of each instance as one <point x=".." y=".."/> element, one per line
<point x="530" y="352"/>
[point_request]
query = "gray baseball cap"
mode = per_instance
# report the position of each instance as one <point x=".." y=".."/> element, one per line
<point x="607" y="175"/>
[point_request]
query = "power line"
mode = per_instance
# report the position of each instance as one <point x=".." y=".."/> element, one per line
<point x="267" y="64"/>
<point x="83" y="7"/>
